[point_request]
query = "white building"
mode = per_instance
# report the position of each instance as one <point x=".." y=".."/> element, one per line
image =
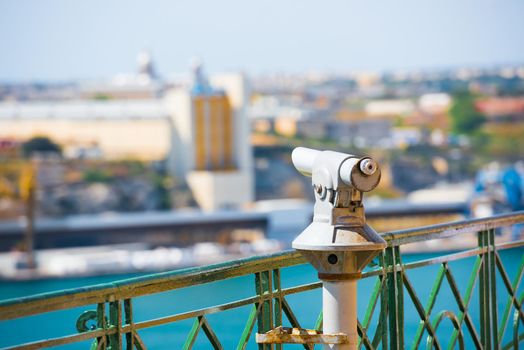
<point x="211" y="146"/>
<point x="204" y="134"/>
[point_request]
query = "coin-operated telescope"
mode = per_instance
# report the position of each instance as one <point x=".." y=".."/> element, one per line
<point x="338" y="243"/>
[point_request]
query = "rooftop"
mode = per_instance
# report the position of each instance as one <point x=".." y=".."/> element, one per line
<point x="85" y="109"/>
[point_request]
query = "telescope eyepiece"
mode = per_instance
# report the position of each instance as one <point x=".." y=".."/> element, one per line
<point x="368" y="166"/>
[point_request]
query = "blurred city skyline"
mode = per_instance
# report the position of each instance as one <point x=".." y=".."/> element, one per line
<point x="60" y="41"/>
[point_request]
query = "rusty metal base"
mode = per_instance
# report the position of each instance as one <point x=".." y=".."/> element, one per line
<point x="286" y="335"/>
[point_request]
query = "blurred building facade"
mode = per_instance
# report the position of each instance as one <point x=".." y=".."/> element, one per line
<point x="211" y="146"/>
<point x="200" y="129"/>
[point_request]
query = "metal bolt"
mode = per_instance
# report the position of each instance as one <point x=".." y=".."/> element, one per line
<point x="368" y="166"/>
<point x="332" y="259"/>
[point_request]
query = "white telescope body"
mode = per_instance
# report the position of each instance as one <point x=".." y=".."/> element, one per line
<point x="338" y="243"/>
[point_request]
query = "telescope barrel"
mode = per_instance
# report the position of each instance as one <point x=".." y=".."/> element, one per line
<point x="360" y="173"/>
<point x="303" y="159"/>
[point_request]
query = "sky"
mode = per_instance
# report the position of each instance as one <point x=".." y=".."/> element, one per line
<point x="61" y="40"/>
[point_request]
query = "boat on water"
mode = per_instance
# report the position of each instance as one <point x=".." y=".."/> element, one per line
<point x="126" y="258"/>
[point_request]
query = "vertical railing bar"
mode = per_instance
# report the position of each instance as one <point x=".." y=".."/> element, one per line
<point x="511" y="288"/>
<point x="364" y="340"/>
<point x="454" y="288"/>
<point x="392" y="299"/>
<point x="115" y="316"/>
<point x="277" y="281"/>
<point x="420" y="309"/>
<point x="383" y="321"/>
<point x="482" y="315"/>
<point x="464" y="304"/>
<point x="483" y="300"/>
<point x="260" y="323"/>
<point x="193" y="333"/>
<point x="493" y="287"/>
<point x="278" y="302"/>
<point x="320" y="321"/>
<point x="138" y="342"/>
<point x="400" y="295"/>
<point x="128" y="315"/>
<point x="372" y="303"/>
<point x="265" y="318"/>
<point x="515" y="330"/>
<point x="101" y="344"/>
<point x="486" y="304"/>
<point x="248" y="329"/>
<point x="101" y="323"/>
<point x="119" y="311"/>
<point x="429" y="307"/>
<point x="379" y="334"/>
<point x="360" y="333"/>
<point x="101" y="315"/>
<point x="260" y="315"/>
<point x="516" y="337"/>
<point x="487" y="294"/>
<point x="211" y="335"/>
<point x="270" y="302"/>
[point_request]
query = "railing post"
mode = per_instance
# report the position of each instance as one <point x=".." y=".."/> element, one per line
<point x="493" y="285"/>
<point x="128" y="312"/>
<point x="115" y="320"/>
<point x="488" y="291"/>
<point x="101" y="324"/>
<point x="278" y="302"/>
<point x="483" y="292"/>
<point x="264" y="286"/>
<point x="383" y="322"/>
<point x="395" y="294"/>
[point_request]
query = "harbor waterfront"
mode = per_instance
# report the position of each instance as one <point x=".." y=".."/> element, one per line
<point x="221" y="298"/>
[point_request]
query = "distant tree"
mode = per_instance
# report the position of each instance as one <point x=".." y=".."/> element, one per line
<point x="101" y="96"/>
<point x="465" y="119"/>
<point x="97" y="175"/>
<point x="40" y="144"/>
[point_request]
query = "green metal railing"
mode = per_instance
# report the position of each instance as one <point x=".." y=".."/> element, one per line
<point x="392" y="292"/>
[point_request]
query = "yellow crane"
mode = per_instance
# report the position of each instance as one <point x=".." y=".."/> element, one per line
<point x="24" y="189"/>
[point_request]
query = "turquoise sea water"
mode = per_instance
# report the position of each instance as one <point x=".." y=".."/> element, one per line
<point x="229" y="325"/>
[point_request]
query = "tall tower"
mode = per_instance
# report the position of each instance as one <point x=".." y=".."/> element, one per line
<point x="211" y="149"/>
<point x="146" y="67"/>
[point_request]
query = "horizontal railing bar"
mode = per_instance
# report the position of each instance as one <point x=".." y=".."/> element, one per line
<point x="68" y="339"/>
<point x="220" y="307"/>
<point x="446" y="258"/>
<point x="462" y="255"/>
<point x="144" y="285"/>
<point x="301" y="288"/>
<point x="443" y="259"/>
<point x="165" y="281"/>
<point x="424" y="233"/>
<point x="191" y="314"/>
<point x="509" y="245"/>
